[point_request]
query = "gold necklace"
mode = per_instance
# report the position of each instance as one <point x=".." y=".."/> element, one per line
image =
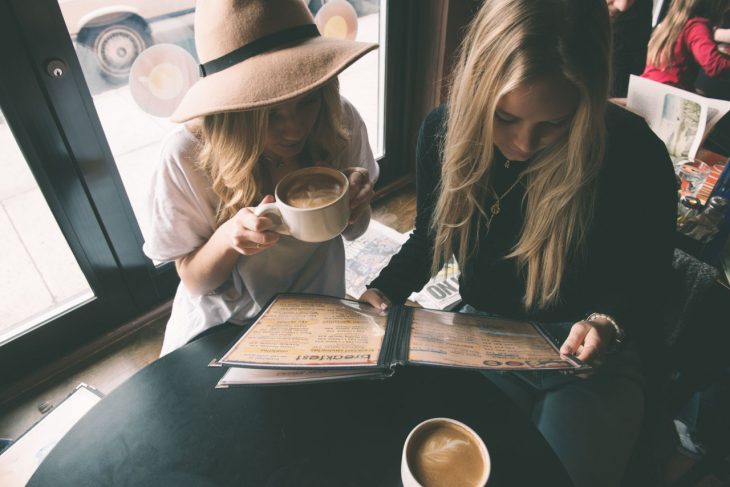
<point x="496" y="206"/>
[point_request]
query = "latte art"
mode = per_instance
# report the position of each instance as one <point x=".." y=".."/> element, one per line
<point x="312" y="191"/>
<point x="444" y="455"/>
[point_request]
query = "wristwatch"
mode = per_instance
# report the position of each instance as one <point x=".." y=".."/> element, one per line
<point x="619" y="334"/>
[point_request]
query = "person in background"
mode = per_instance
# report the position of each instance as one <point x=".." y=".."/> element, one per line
<point x="682" y="44"/>
<point x="631" y="26"/>
<point x="717" y="87"/>
<point x="559" y="208"/>
<point x="268" y="104"/>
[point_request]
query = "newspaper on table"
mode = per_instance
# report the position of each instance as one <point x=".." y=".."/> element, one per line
<point x="680" y="118"/>
<point x="366" y="256"/>
<point x="21" y="459"/>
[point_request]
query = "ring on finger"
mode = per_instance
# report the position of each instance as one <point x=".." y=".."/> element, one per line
<point x="258" y="245"/>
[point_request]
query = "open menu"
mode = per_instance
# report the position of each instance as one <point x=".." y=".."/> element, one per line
<point x="311" y="337"/>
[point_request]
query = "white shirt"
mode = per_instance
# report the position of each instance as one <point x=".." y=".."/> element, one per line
<point x="183" y="205"/>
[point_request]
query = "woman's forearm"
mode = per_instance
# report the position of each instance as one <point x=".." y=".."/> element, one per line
<point x="206" y="268"/>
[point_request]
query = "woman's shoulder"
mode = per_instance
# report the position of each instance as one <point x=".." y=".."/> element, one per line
<point x="697" y="25"/>
<point x="433" y="127"/>
<point x="180" y="147"/>
<point x="697" y="21"/>
<point x="632" y="146"/>
<point x="350" y="115"/>
<point x="625" y="128"/>
<point x="435" y="121"/>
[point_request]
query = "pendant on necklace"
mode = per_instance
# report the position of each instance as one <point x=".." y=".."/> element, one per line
<point x="506" y="163"/>
<point x="495" y="208"/>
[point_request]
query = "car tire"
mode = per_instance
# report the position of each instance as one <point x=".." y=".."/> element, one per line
<point x="114" y="47"/>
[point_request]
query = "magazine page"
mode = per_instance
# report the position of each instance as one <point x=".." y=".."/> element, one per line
<point x="464" y="340"/>
<point x="716" y="109"/>
<point x="678" y="117"/>
<point x="307" y="330"/>
<point x="366" y="256"/>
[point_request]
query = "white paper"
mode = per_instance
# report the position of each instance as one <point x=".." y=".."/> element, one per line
<point x="442" y="290"/>
<point x="370" y="253"/>
<point x="680" y="118"/>
<point x="366" y="256"/>
<point x="22" y="458"/>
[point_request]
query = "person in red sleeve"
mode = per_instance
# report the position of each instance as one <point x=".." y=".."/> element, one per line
<point x="683" y="43"/>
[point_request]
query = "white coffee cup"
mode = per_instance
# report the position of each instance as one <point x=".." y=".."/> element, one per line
<point x="443" y="451"/>
<point x="312" y="204"/>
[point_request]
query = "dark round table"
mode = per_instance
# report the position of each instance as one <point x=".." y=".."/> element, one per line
<point x="168" y="425"/>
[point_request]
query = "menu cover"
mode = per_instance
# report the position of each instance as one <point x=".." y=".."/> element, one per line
<point x="303" y="332"/>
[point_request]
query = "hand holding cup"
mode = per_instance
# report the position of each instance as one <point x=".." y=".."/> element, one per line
<point x="311" y="204"/>
<point x="250" y="234"/>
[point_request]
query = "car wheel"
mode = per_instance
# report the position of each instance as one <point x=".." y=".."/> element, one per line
<point x="114" y="47"/>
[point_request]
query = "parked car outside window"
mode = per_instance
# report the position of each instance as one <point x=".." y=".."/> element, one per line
<point x="109" y="35"/>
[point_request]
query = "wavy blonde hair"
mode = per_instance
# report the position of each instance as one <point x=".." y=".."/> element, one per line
<point x="232" y="144"/>
<point x="664" y="37"/>
<point x="509" y="43"/>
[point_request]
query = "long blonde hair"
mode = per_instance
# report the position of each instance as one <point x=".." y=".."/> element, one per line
<point x="232" y="144"/>
<point x="664" y="37"/>
<point x="509" y="43"/>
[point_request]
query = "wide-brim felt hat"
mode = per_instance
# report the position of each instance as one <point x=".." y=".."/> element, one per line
<point x="259" y="53"/>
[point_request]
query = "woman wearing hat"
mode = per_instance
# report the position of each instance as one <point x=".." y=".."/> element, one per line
<point x="559" y="208"/>
<point x="267" y="104"/>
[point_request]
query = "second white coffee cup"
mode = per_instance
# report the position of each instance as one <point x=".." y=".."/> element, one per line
<point x="443" y="451"/>
<point x="312" y="204"/>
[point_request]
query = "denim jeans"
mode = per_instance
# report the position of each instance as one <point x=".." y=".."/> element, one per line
<point x="590" y="421"/>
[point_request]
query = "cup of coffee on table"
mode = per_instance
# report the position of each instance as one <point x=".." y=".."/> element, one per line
<point x="312" y="204"/>
<point x="444" y="452"/>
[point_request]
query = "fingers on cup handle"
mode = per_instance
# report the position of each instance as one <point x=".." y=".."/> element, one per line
<point x="258" y="219"/>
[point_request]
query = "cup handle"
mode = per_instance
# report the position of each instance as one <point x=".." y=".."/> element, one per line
<point x="268" y="210"/>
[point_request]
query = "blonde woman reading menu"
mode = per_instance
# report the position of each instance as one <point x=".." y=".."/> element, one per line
<point x="558" y="207"/>
<point x="268" y="104"/>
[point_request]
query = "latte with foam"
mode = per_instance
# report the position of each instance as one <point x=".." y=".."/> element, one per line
<point x="444" y="454"/>
<point x="312" y="191"/>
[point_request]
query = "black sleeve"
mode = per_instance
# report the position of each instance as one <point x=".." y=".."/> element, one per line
<point x="410" y="269"/>
<point x="637" y="213"/>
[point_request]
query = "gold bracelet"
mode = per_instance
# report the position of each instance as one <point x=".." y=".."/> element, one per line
<point x="619" y="334"/>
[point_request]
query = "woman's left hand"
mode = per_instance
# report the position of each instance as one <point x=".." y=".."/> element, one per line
<point x="588" y="340"/>
<point x="361" y="191"/>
